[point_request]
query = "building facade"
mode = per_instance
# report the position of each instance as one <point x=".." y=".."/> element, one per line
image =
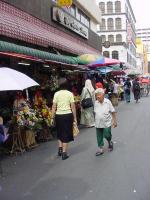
<point x="144" y="34"/>
<point x="41" y="25"/>
<point x="140" y="56"/>
<point x="91" y="9"/>
<point x="118" y="29"/>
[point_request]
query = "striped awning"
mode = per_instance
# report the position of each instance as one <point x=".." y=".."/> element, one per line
<point x="19" y="51"/>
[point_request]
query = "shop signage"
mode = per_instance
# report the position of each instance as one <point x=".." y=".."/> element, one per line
<point x="63" y="18"/>
<point x="64" y="3"/>
<point x="129" y="33"/>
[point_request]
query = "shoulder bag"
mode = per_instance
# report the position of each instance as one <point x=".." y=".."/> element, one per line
<point x="88" y="102"/>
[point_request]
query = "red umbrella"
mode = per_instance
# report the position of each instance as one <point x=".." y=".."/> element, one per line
<point x="117" y="73"/>
<point x="144" y="80"/>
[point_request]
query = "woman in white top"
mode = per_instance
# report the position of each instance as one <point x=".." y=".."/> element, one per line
<point x="87" y="114"/>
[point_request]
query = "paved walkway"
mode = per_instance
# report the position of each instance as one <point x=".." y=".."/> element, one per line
<point x="123" y="174"/>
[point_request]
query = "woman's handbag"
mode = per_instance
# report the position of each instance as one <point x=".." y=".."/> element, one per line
<point x="75" y="130"/>
<point x="88" y="102"/>
<point x="53" y="123"/>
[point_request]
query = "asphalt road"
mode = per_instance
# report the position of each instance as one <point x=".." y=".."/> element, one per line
<point x="123" y="174"/>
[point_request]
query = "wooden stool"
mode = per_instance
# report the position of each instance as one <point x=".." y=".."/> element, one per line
<point x="17" y="146"/>
<point x="30" y="139"/>
<point x="45" y="134"/>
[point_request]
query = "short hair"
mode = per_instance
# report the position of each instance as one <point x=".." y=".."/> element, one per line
<point x="99" y="90"/>
<point x="63" y="83"/>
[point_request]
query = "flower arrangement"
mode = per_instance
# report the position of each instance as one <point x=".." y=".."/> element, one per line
<point x="44" y="114"/>
<point x="27" y="118"/>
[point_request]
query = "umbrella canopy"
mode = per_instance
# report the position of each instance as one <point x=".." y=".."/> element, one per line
<point x="147" y="75"/>
<point x="103" y="61"/>
<point x="13" y="80"/>
<point x="117" y="71"/>
<point x="88" y="58"/>
<point x="133" y="73"/>
<point x="105" y="70"/>
<point x="144" y="80"/>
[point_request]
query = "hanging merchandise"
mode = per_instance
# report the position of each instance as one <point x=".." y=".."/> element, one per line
<point x="54" y="84"/>
<point x="38" y="98"/>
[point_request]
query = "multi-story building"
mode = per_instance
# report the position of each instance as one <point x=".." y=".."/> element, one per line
<point x="118" y="31"/>
<point x="144" y="34"/>
<point x="141" y="54"/>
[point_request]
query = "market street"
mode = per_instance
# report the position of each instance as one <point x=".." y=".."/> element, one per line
<point x="121" y="174"/>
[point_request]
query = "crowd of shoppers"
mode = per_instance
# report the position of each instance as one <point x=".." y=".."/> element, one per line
<point x="98" y="99"/>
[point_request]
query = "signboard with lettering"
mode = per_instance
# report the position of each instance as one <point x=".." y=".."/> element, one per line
<point x="129" y="33"/>
<point x="63" y="3"/>
<point x="63" y="18"/>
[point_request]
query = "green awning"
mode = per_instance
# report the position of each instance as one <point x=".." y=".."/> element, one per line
<point x="13" y="48"/>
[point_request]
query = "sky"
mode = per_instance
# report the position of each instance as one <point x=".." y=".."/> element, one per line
<point x="141" y="11"/>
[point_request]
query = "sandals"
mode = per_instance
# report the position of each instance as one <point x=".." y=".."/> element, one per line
<point x="60" y="150"/>
<point x="99" y="153"/>
<point x="111" y="146"/>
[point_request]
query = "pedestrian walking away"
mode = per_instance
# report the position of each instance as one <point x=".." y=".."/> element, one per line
<point x="136" y="90"/>
<point x="87" y="114"/>
<point x="127" y="90"/>
<point x="105" y="118"/>
<point x="64" y="107"/>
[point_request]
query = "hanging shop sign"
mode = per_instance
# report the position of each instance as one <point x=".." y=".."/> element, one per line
<point x="64" y="3"/>
<point x="63" y="18"/>
<point x="129" y="33"/>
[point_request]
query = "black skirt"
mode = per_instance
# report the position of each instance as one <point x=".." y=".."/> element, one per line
<point x="64" y="127"/>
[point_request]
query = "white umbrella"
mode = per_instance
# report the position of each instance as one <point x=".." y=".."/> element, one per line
<point x="11" y="79"/>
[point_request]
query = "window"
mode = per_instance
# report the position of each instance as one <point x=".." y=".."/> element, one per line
<point x="111" y="38"/>
<point x="106" y="54"/>
<point x="84" y="19"/>
<point x="117" y="7"/>
<point x="103" y="38"/>
<point x="118" y="38"/>
<point x="118" y="23"/>
<point x="102" y="7"/>
<point x="88" y="22"/>
<point x="71" y="10"/>
<point x="78" y="14"/>
<point x="109" y="7"/>
<point x="103" y="25"/>
<point x="115" y="55"/>
<point x="110" y="24"/>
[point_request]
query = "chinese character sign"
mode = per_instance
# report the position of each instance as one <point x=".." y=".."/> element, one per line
<point x="63" y="3"/>
<point x="129" y="33"/>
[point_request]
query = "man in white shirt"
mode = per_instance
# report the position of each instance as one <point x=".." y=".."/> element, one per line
<point x="105" y="117"/>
